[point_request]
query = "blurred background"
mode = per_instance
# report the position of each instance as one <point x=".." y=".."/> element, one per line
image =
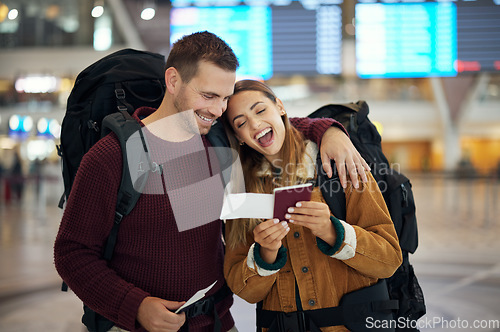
<point x="429" y="70"/>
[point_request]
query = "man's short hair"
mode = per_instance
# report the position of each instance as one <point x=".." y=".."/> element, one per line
<point x="187" y="52"/>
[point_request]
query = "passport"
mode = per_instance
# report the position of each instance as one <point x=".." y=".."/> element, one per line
<point x="286" y="197"/>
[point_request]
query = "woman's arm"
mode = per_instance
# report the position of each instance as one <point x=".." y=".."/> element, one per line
<point x="370" y="240"/>
<point x="367" y="242"/>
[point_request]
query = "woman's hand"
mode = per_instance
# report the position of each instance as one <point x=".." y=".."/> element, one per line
<point x="269" y="235"/>
<point x="316" y="217"/>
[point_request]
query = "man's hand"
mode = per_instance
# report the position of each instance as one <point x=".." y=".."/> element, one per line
<point x="336" y="145"/>
<point x="155" y="314"/>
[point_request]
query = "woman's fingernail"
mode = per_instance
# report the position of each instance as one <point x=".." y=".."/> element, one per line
<point x="287" y="216"/>
<point x="285" y="224"/>
<point x="290" y="210"/>
<point x="298" y="204"/>
<point x="291" y="221"/>
<point x="276" y="221"/>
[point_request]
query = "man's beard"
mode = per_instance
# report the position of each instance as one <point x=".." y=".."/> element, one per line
<point x="187" y="119"/>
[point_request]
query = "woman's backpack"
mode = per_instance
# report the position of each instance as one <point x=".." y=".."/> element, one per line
<point x="398" y="195"/>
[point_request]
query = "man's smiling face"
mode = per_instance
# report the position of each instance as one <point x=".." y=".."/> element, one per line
<point x="207" y="94"/>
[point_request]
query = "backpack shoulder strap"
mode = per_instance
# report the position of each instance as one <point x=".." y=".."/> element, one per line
<point x="124" y="126"/>
<point x="331" y="189"/>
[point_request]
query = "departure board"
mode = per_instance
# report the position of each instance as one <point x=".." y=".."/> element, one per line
<point x="406" y="40"/>
<point x="247" y="29"/>
<point x="275" y="38"/>
<point x="478" y="36"/>
<point x="307" y="41"/>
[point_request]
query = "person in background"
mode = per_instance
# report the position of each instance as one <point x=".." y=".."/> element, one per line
<point x="16" y="177"/>
<point x="311" y="259"/>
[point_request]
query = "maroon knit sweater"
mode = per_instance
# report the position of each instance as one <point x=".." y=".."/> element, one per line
<point x="151" y="257"/>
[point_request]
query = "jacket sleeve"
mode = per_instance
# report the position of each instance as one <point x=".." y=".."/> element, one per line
<point x="244" y="275"/>
<point x="86" y="223"/>
<point x="370" y="244"/>
<point x="314" y="129"/>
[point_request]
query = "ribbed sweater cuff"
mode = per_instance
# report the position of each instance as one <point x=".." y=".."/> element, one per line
<point x="322" y="126"/>
<point x="278" y="264"/>
<point x="340" y="235"/>
<point x="314" y="129"/>
<point x="128" y="310"/>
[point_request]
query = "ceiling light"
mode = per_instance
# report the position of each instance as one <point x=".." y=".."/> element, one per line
<point x="36" y="84"/>
<point x="149" y="10"/>
<point x="14" y="122"/>
<point x="98" y="9"/>
<point x="13" y="13"/>
<point x="42" y="126"/>
<point x="27" y="124"/>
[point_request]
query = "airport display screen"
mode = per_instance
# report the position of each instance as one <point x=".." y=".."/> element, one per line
<point x="428" y="38"/>
<point x="478" y="36"/>
<point x="292" y="38"/>
<point x="406" y="40"/>
<point x="251" y="46"/>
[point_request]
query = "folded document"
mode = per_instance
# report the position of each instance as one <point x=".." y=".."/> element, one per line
<point x="247" y="205"/>
<point x="264" y="206"/>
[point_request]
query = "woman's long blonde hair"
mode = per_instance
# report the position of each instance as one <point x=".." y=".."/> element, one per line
<point x="292" y="155"/>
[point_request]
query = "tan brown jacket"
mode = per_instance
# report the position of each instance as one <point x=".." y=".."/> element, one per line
<point x="370" y="251"/>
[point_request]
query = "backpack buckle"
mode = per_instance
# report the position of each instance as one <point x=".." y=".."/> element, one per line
<point x="118" y="217"/>
<point x="120" y="93"/>
<point x="200" y="308"/>
<point x="91" y="124"/>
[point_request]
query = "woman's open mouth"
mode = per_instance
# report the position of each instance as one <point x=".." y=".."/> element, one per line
<point x="265" y="137"/>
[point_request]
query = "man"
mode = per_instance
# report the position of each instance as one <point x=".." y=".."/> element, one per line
<point x="156" y="266"/>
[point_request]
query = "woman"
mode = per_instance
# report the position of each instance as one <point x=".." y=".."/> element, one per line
<point x="323" y="258"/>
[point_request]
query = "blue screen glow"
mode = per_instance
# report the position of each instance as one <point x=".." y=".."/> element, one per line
<point x="406" y="40"/>
<point x="246" y="29"/>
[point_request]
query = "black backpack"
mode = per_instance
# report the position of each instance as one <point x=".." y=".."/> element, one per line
<point x="396" y="189"/>
<point x="102" y="100"/>
<point x="121" y="81"/>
